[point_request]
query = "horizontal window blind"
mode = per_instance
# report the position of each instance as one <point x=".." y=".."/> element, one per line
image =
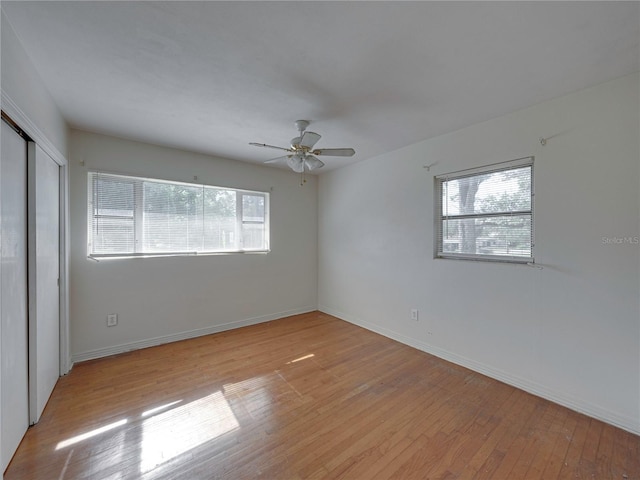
<point x="486" y="214"/>
<point x="129" y="216"/>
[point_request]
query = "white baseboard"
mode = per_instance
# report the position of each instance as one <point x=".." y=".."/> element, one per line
<point x="152" y="342"/>
<point x="577" y="404"/>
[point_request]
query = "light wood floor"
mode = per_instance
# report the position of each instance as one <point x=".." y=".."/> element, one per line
<point x="307" y="397"/>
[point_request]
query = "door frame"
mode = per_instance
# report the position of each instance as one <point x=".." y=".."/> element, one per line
<point x="15" y="114"/>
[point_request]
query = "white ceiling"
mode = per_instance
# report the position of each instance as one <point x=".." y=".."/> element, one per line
<point x="212" y="76"/>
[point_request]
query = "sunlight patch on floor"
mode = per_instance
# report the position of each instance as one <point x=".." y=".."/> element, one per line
<point x="245" y="385"/>
<point x="301" y="358"/>
<point x="89" y="434"/>
<point x="174" y="432"/>
<point x="115" y="476"/>
<point x="155" y="410"/>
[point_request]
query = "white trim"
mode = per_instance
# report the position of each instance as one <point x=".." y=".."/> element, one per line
<point x="23" y="121"/>
<point x="577" y="404"/>
<point x="1" y="395"/>
<point x="493" y="167"/>
<point x="65" y="352"/>
<point x="152" y="342"/>
<point x="485" y="258"/>
<point x="32" y="284"/>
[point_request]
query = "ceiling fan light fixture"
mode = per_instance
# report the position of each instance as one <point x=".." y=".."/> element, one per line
<point x="296" y="163"/>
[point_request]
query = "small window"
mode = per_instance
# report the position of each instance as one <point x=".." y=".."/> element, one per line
<point x="133" y="216"/>
<point x="486" y="213"/>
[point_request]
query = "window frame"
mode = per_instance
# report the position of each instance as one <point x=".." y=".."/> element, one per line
<point x="440" y="217"/>
<point x="137" y="183"/>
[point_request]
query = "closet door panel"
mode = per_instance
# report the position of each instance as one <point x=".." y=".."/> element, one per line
<point x="13" y="282"/>
<point x="44" y="294"/>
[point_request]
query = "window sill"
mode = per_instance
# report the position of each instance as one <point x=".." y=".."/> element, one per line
<point x="117" y="256"/>
<point x="488" y="258"/>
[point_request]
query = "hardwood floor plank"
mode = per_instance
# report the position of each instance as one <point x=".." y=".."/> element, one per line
<point x="488" y="451"/>
<point x="603" y="465"/>
<point x="570" y="468"/>
<point x="469" y="439"/>
<point x="536" y="436"/>
<point x="590" y="448"/>
<point x="520" y="422"/>
<point x="560" y="446"/>
<point x="306" y="397"/>
<point x="387" y="445"/>
<point x="395" y="463"/>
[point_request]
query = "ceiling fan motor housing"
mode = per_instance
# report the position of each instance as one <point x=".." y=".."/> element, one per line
<point x="302" y="125"/>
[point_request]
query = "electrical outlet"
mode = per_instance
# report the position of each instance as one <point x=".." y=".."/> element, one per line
<point x="112" y="320"/>
<point x="414" y="314"/>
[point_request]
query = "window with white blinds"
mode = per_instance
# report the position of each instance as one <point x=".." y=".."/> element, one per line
<point x="134" y="216"/>
<point x="486" y="213"/>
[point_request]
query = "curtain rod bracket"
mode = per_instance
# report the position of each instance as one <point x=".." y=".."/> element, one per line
<point x="428" y="167"/>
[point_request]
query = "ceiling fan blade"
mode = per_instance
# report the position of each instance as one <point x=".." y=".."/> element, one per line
<point x="313" y="163"/>
<point x="335" y="152"/>
<point x="277" y="159"/>
<point x="270" y="146"/>
<point x="309" y="139"/>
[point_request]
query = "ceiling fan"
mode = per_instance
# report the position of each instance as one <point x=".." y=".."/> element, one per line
<point x="301" y="156"/>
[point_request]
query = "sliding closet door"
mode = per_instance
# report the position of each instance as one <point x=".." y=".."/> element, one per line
<point x="13" y="282"/>
<point x="44" y="271"/>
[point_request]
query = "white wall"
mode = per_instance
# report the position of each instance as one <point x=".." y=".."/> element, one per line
<point x="569" y="332"/>
<point x="26" y="99"/>
<point x="23" y="89"/>
<point x="163" y="299"/>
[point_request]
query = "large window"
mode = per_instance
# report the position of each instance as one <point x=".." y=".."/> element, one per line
<point x="486" y="213"/>
<point x="133" y="216"/>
